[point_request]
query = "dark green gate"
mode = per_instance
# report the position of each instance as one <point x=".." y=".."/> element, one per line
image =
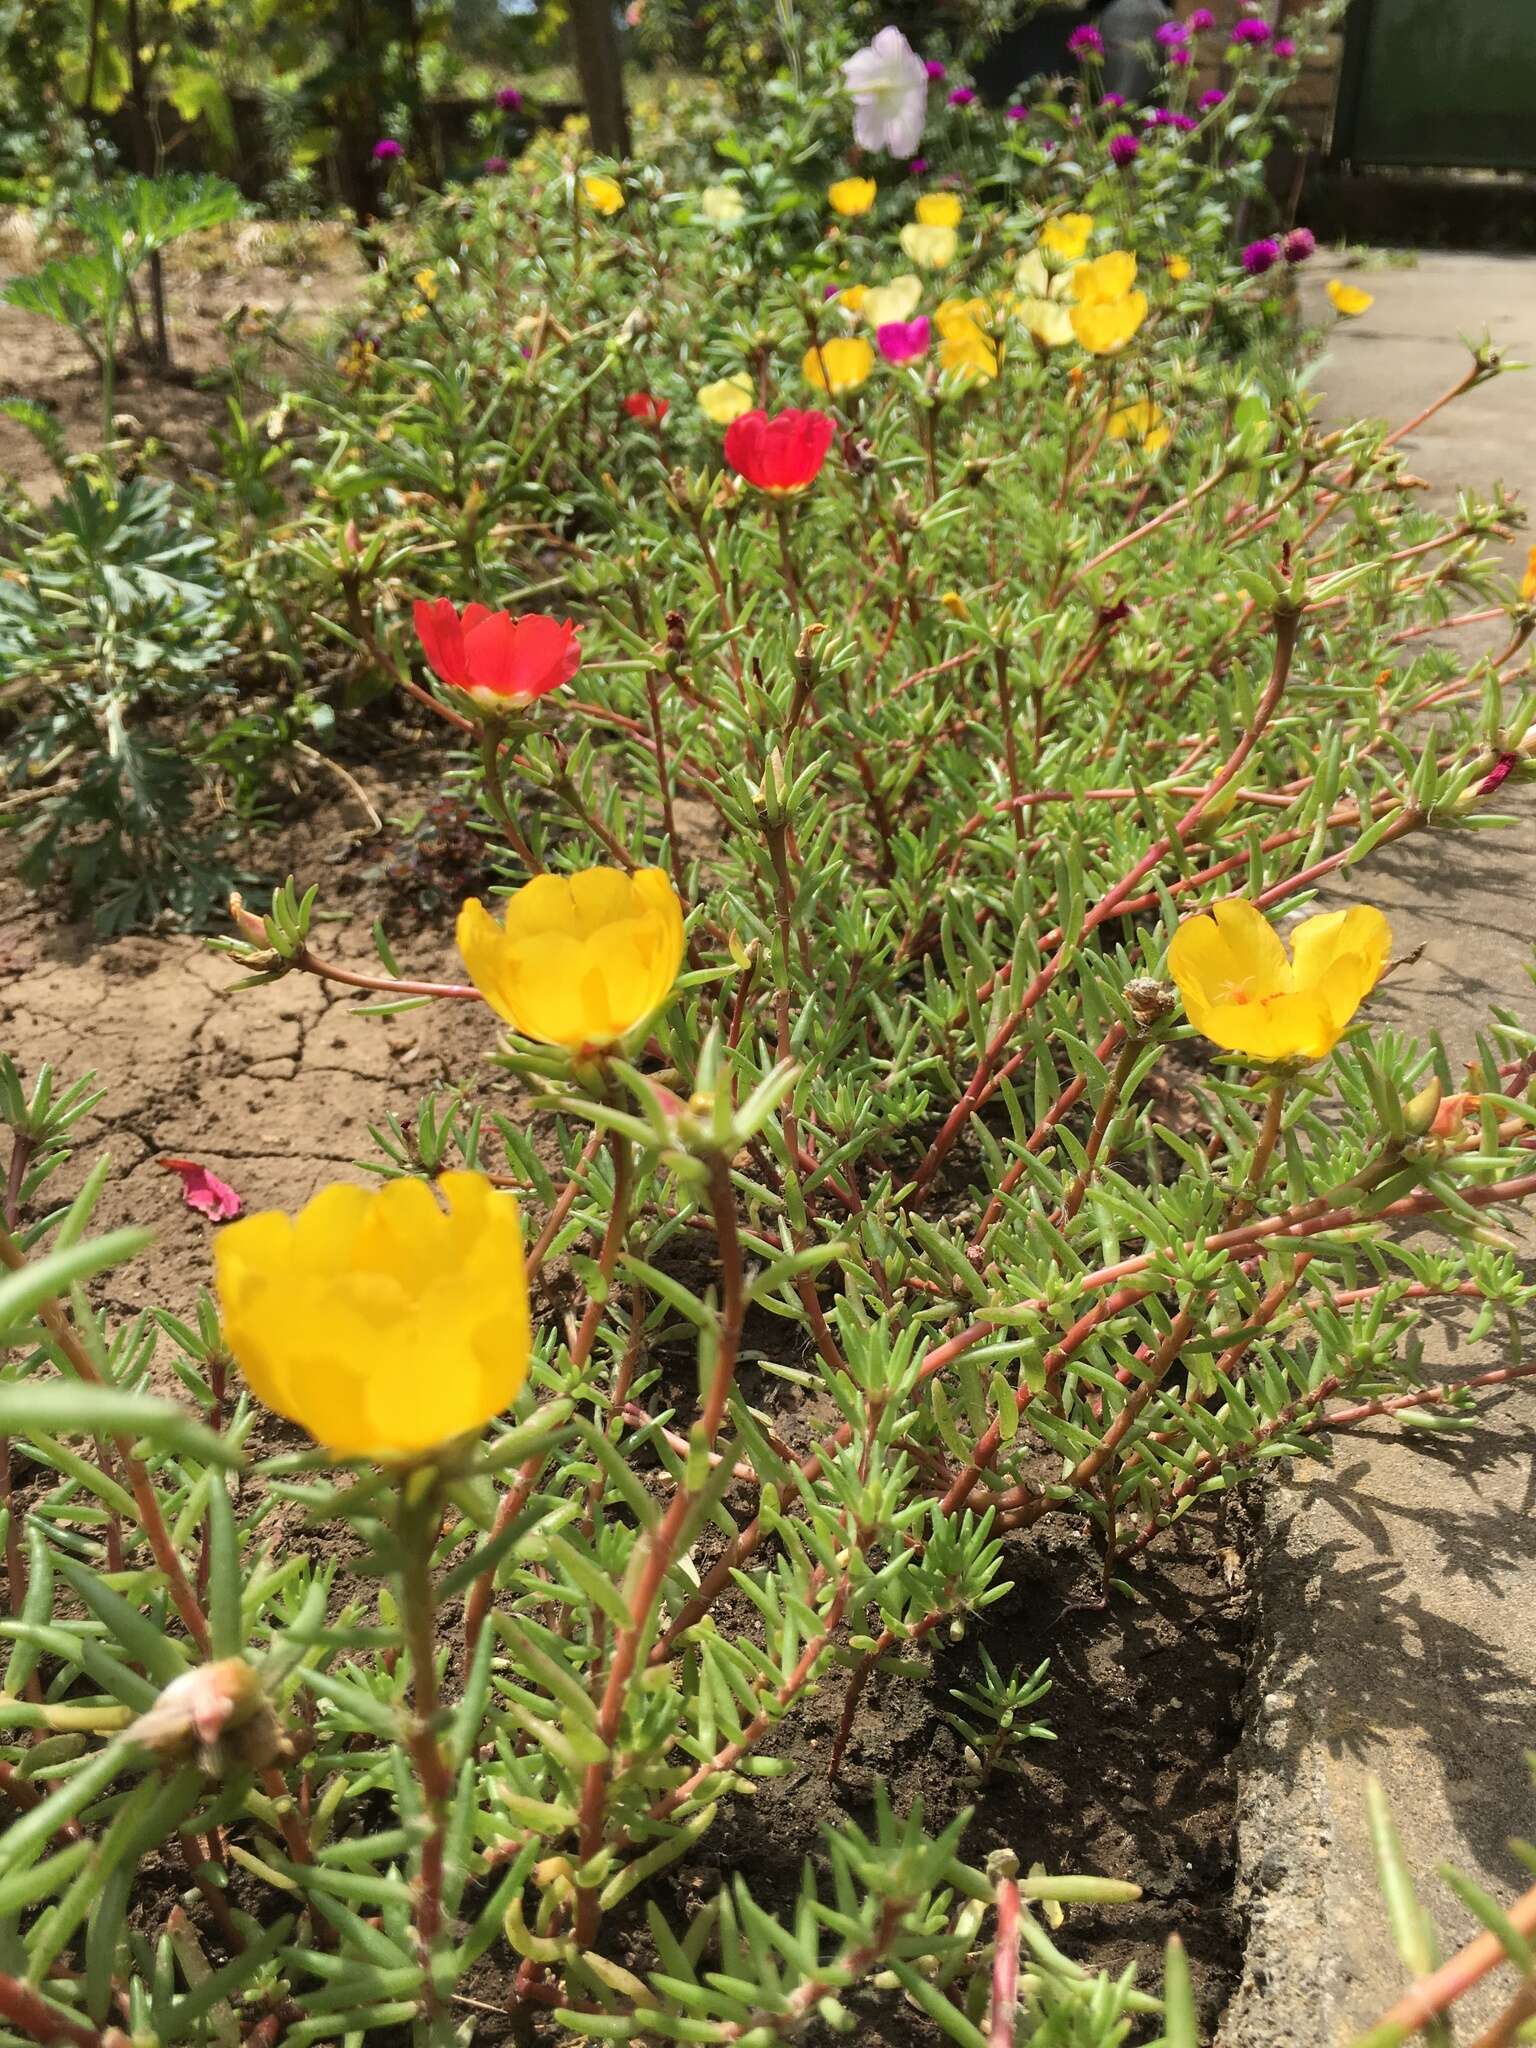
<point x="1449" y="82"/>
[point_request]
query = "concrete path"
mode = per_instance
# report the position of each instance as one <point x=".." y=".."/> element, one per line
<point x="1397" y="1588"/>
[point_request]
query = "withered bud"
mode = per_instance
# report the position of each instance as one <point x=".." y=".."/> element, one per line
<point x="807" y="643"/>
<point x="217" y="1712"/>
<point x="677" y="633"/>
<point x="248" y="926"/>
<point x="1149" y="1001"/>
<point x="858" y="454"/>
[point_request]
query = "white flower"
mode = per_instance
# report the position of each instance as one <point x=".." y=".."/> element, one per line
<point x="889" y="84"/>
<point x="723" y="205"/>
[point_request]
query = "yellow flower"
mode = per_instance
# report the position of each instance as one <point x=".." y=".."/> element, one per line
<point x="930" y="248"/>
<point x="955" y="604"/>
<point x="603" y="195"/>
<point x="841" y="364"/>
<point x="1178" y="267"/>
<point x="1102" y="329"/>
<point x="416" y="312"/>
<point x="1067" y="235"/>
<point x="1105" y="279"/>
<point x="1042" y="309"/>
<point x="727" y="399"/>
<point x="580" y="959"/>
<point x="1348" y="299"/>
<point x="939" y="209"/>
<point x="1245" y="996"/>
<point x="852" y="297"/>
<point x="965" y="346"/>
<point x="381" y="1324"/>
<point x="886" y="303"/>
<point x="723" y="205"/>
<point x="425" y="282"/>
<point x="852" y="196"/>
<point x="1142" y="421"/>
<point x="1528" y="580"/>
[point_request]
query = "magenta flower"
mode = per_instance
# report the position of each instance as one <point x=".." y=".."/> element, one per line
<point x="1260" y="256"/>
<point x="1250" y="30"/>
<point x="1298" y="245"/>
<point x="1210" y="99"/>
<point x="903" y="341"/>
<point x="935" y="69"/>
<point x="1200" y="21"/>
<point x="916" y="168"/>
<point x="962" y="96"/>
<point x="509" y="99"/>
<point x="1171" y="34"/>
<point x="1084" y="43"/>
<point x="495" y="165"/>
<point x="830" y="291"/>
<point x="386" y="150"/>
<point x="1182" y="55"/>
<point x="1018" y="113"/>
<point x="1113" y="99"/>
<point x="1123" y="149"/>
<point x="1284" y="47"/>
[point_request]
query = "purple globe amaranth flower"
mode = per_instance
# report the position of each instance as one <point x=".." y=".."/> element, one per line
<point x="1123" y="149"/>
<point x="1113" y="99"/>
<point x="1284" y="47"/>
<point x="495" y="165"/>
<point x="903" y="341"/>
<point x="1298" y="245"/>
<point x="935" y="69"/>
<point x="1171" y="34"/>
<point x="1200" y="21"/>
<point x="1018" y="113"/>
<point x="962" y="96"/>
<point x="1182" y="55"/>
<point x="1261" y="256"/>
<point x="1165" y="117"/>
<point x="1210" y="99"/>
<point x="1085" y="42"/>
<point x="916" y="168"/>
<point x="509" y="99"/>
<point x="386" y="150"/>
<point x="1250" y="30"/>
<point x="830" y="291"/>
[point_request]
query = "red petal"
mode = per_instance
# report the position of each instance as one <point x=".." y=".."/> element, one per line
<point x="442" y="639"/>
<point x="490" y="654"/>
<point x="203" y="1190"/>
<point x="546" y="653"/>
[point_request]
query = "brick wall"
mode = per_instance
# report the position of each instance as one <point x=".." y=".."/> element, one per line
<point x="1310" y="101"/>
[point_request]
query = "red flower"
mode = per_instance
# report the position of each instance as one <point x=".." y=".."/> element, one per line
<point x="780" y="452"/>
<point x="641" y="406"/>
<point x="494" y="657"/>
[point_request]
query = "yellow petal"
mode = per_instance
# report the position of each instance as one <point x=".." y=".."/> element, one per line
<point x="939" y="209"/>
<point x="1358" y="939"/>
<point x="604" y="195"/>
<point x="1528" y="580"/>
<point x="841" y="364"/>
<point x="1104" y="280"/>
<point x="1178" y="267"/>
<point x="1348" y="299"/>
<point x="1067" y="235"/>
<point x="930" y="248"/>
<point x="728" y="398"/>
<point x="1047" y="320"/>
<point x="1102" y="329"/>
<point x="852" y="196"/>
<point x="886" y="303"/>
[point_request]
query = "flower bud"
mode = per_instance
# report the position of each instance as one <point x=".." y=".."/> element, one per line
<point x="218" y="1712"/>
<point x="1149" y="1002"/>
<point x="1420" y="1114"/>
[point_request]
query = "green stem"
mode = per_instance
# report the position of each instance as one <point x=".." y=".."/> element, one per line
<point x="416" y="1528"/>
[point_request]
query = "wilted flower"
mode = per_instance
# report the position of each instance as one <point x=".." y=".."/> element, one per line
<point x="604" y="195"/>
<point x="493" y="657"/>
<point x="1067" y="235"/>
<point x="386" y="150"/>
<point x="217" y="1712"/>
<point x="962" y="96"/>
<point x="382" y="1325"/>
<point x="722" y="204"/>
<point x="931" y="248"/>
<point x="494" y="166"/>
<point x="840" y="364"/>
<point x="1123" y="149"/>
<point x="1298" y="245"/>
<point x="509" y="99"/>
<point x="1243" y="994"/>
<point x="1251" y="30"/>
<point x="641" y="405"/>
<point x="1348" y="299"/>
<point x="578" y="960"/>
<point x="779" y="452"/>
<point x="1084" y="43"/>
<point x="889" y="85"/>
<point x="1260" y="256"/>
<point x="902" y="341"/>
<point x="939" y="209"/>
<point x="884" y="304"/>
<point x="852" y="196"/>
<point x="727" y="399"/>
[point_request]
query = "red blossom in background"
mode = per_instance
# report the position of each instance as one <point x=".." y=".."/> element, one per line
<point x="640" y="405"/>
<point x="203" y="1190"/>
<point x="493" y="656"/>
<point x="779" y="452"/>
